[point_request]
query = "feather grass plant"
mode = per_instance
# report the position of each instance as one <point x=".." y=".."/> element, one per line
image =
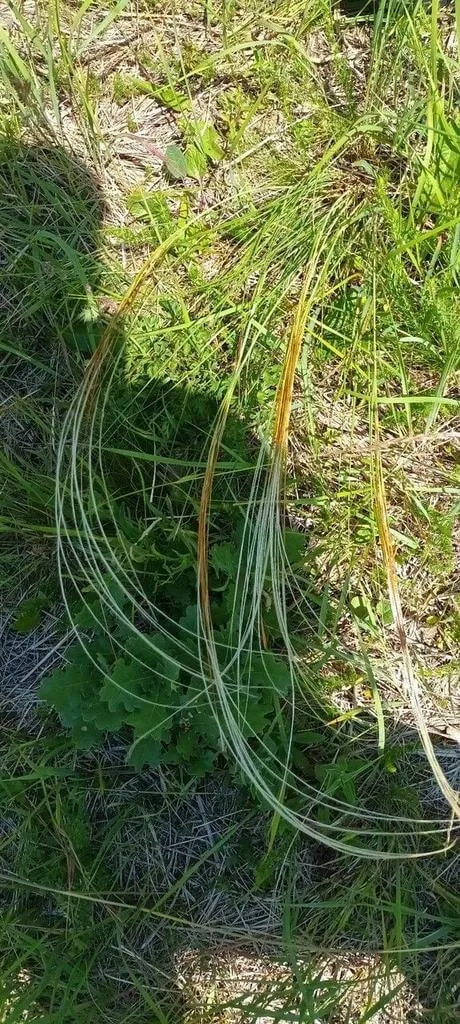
<point x="235" y="568"/>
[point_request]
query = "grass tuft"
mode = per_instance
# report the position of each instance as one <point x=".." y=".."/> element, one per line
<point x="229" y="265"/>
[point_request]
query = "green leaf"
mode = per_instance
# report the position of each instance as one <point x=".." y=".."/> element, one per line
<point x="67" y="689"/>
<point x="385" y="611"/>
<point x="211" y="144"/>
<point x="153" y="719"/>
<point x="294" y="543"/>
<point x="120" y="691"/>
<point x="190" y="619"/>
<point x="309" y="738"/>
<point x="146" y="751"/>
<point x="269" y="672"/>
<point x="90" y="615"/>
<point x="203" y="763"/>
<point x="163" y="670"/>
<point x="152" y="208"/>
<point x="175" y="162"/>
<point x="95" y="612"/>
<point x="187" y="744"/>
<point x="363" y="609"/>
<point x="29" y="613"/>
<point x="225" y="558"/>
<point x="203" y="725"/>
<point x="124" y="688"/>
<point x="99" y="27"/>
<point x="256" y="716"/>
<point x="195" y="161"/>
<point x="98" y="714"/>
<point x="86" y="736"/>
<point x="171" y="98"/>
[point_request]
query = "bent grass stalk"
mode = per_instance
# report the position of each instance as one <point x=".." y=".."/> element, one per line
<point x="265" y="549"/>
<point x="268" y="516"/>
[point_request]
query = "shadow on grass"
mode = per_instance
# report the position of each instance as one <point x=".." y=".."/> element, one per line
<point x="89" y="864"/>
<point x="50" y="216"/>
<point x="358" y="8"/>
<point x="51" y="211"/>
